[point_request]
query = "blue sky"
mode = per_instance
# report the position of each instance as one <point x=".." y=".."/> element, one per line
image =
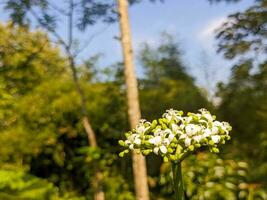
<point x="191" y="21"/>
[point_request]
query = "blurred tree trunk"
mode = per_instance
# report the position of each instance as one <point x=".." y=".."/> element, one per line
<point x="134" y="114"/>
<point x="98" y="178"/>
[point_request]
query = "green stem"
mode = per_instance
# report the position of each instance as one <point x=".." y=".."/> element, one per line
<point x="250" y="193"/>
<point x="178" y="181"/>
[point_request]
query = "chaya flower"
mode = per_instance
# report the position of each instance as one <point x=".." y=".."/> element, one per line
<point x="175" y="136"/>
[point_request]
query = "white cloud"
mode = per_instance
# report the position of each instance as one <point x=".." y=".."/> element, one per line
<point x="207" y="34"/>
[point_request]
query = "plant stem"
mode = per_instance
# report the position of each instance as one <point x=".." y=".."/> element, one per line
<point x="178" y="181"/>
<point x="250" y="193"/>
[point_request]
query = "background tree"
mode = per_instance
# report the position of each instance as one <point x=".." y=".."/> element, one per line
<point x="47" y="15"/>
<point x="134" y="113"/>
<point x="41" y="133"/>
<point x="243" y="39"/>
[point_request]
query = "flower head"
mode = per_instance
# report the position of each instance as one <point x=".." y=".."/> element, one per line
<point x="174" y="136"/>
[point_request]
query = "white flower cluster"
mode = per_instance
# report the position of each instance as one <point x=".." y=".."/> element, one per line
<point x="175" y="136"/>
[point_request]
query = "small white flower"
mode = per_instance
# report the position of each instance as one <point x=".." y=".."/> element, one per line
<point x="183" y="136"/>
<point x="207" y="132"/>
<point x="208" y="117"/>
<point x="172" y="114"/>
<point x="141" y="129"/>
<point x="133" y="139"/>
<point x="156" y="150"/>
<point x="197" y="138"/>
<point x="214" y="130"/>
<point x="217" y="123"/>
<point x="155" y="140"/>
<point x="215" y="138"/>
<point x="166" y="142"/>
<point x="159" y="132"/>
<point x="163" y="149"/>
<point x="137" y="141"/>
<point x="175" y="128"/>
<point x="168" y="134"/>
<point x="188" y="119"/>
<point x="192" y="129"/>
<point x="187" y="142"/>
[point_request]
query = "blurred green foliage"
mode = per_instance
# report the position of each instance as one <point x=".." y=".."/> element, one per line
<point x="207" y="176"/>
<point x="244" y="98"/>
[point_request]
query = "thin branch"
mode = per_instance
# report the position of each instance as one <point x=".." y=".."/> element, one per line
<point x="87" y="43"/>
<point x="70" y="24"/>
<point x="53" y="32"/>
<point x="55" y="7"/>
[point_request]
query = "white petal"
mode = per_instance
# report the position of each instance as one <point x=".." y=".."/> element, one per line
<point x="187" y="142"/>
<point x="137" y="141"/>
<point x="207" y="132"/>
<point x="214" y="130"/>
<point x="175" y="128"/>
<point x="151" y="141"/>
<point x="127" y="142"/>
<point x="182" y="126"/>
<point x="169" y="117"/>
<point x="158" y="140"/>
<point x="192" y="129"/>
<point x="131" y="146"/>
<point x="171" y="136"/>
<point x="163" y="149"/>
<point x="216" y="138"/>
<point x="156" y="150"/>
<point x="183" y="136"/>
<point x="217" y="123"/>
<point x="166" y="142"/>
<point x="197" y="138"/>
<point x="208" y="117"/>
<point x="158" y="132"/>
<point x="140" y="129"/>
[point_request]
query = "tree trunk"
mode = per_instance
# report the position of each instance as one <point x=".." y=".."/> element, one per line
<point x="134" y="114"/>
<point x="98" y="177"/>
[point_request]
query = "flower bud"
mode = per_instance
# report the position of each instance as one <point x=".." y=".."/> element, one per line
<point x="165" y="159"/>
<point x="191" y="147"/>
<point x="122" y="143"/>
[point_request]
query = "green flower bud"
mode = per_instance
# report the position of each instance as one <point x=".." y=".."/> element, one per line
<point x="215" y="150"/>
<point x="173" y="158"/>
<point x="164" y="126"/>
<point x="197" y="145"/>
<point x="204" y="140"/>
<point x="164" y="120"/>
<point x="211" y="142"/>
<point x="128" y="134"/>
<point x="154" y="124"/>
<point x="165" y="159"/>
<point x="175" y="140"/>
<point x="191" y="147"/>
<point x="161" y="121"/>
<point x="173" y="145"/>
<point x="121" y="142"/>
<point x="121" y="154"/>
<point x="170" y="150"/>
<point x="146" y="152"/>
